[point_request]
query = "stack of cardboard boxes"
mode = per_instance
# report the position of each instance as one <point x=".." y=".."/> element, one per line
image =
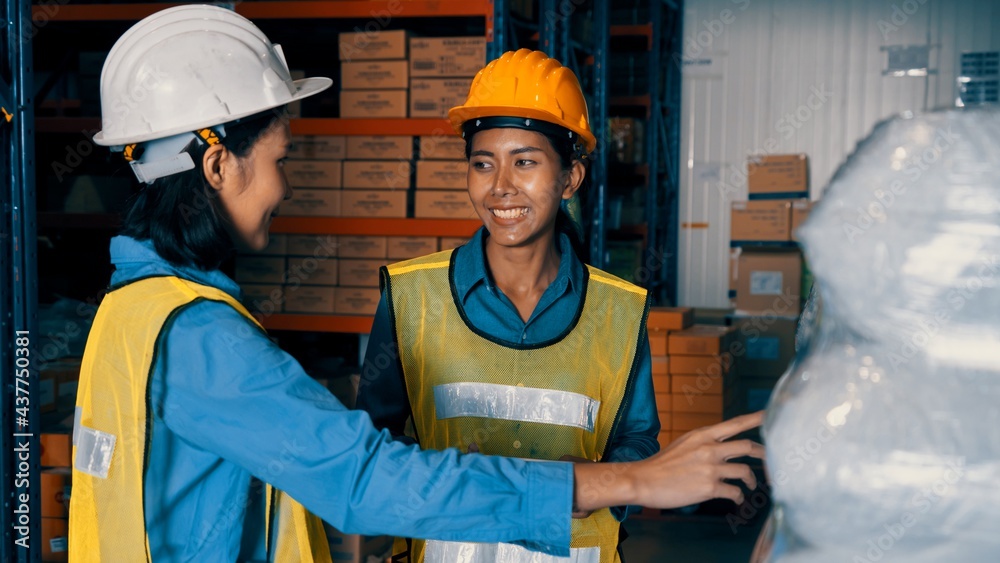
<point x="325" y="274"/>
<point x="766" y="271"/>
<point x="374" y="74"/>
<point x="58" y="382"/>
<point x="441" y="72"/>
<point x="692" y="371"/>
<point x="390" y="75"/>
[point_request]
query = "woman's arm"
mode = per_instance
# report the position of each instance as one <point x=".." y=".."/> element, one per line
<point x="231" y="391"/>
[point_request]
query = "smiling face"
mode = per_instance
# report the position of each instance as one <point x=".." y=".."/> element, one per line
<point x="252" y="188"/>
<point x="516" y="183"/>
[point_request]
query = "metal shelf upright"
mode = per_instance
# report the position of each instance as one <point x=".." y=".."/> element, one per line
<point x="18" y="293"/>
<point x="554" y="38"/>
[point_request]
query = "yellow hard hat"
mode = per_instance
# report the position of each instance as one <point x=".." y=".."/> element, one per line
<point x="530" y="86"/>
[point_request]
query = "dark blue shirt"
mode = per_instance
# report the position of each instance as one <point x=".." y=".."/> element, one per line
<point x="383" y="391"/>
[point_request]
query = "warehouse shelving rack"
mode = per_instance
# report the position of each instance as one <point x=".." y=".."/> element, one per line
<point x="18" y="290"/>
<point x="660" y="230"/>
<point x="495" y="21"/>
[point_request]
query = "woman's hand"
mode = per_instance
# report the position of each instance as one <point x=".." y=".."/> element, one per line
<point x="690" y="470"/>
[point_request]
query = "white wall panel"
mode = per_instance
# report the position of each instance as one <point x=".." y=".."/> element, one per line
<point x="766" y="64"/>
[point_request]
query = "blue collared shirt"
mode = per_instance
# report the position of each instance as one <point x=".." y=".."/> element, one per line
<point x="383" y="391"/>
<point x="227" y="405"/>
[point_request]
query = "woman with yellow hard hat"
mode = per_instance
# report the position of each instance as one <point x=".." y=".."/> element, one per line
<point x="510" y="345"/>
<point x="194" y="432"/>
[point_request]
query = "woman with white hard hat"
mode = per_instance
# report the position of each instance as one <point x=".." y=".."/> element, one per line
<point x="193" y="431"/>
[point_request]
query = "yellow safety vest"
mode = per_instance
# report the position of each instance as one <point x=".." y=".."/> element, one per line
<point x="112" y="431"/>
<point x="539" y="402"/>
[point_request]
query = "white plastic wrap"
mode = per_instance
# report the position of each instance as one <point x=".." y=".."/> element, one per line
<point x="883" y="439"/>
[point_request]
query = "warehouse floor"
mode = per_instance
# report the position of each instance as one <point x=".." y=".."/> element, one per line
<point x="692" y="539"/>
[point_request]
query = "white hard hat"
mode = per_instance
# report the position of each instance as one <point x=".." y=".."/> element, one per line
<point x="190" y="67"/>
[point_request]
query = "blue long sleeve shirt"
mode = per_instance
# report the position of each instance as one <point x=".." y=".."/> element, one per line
<point x="383" y="390"/>
<point x="228" y="407"/>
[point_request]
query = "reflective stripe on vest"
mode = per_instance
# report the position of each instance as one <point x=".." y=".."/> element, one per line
<point x="111" y="434"/>
<point x="562" y="397"/>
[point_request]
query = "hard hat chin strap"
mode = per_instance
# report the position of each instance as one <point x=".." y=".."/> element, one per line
<point x="166" y="157"/>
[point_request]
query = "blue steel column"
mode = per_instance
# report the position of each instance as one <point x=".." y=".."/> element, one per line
<point x="18" y="293"/>
<point x="498" y="45"/>
<point x="671" y="47"/>
<point x="548" y="28"/>
<point x="599" y="124"/>
<point x="654" y="251"/>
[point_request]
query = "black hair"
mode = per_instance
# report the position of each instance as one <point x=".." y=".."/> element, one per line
<point x="568" y="149"/>
<point x="181" y="214"/>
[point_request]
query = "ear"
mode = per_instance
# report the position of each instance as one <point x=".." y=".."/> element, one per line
<point x="574" y="179"/>
<point x="217" y="165"/>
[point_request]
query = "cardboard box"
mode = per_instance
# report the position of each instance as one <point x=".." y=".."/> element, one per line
<point x="665" y="422"/>
<point x="260" y="269"/>
<point x="447" y="56"/>
<point x="697" y="384"/>
<point x="311" y="271"/>
<point x="768" y="344"/>
<point x="778" y="175"/>
<point x="449" y="243"/>
<point x="762" y="220"/>
<point x="265" y="299"/>
<point x="364" y="247"/>
<point x="276" y="246"/>
<point x="800" y="212"/>
<point x="372" y="45"/>
<point x="374" y="203"/>
<point x="437" y="204"/>
<point x="697" y="402"/>
<point x="380" y="147"/>
<point x="318" y="147"/>
<point x="433" y="97"/>
<point x="56" y="490"/>
<point x="687" y="421"/>
<point x="357" y="300"/>
<point x="310" y="299"/>
<point x="661" y="365"/>
<point x="657" y="342"/>
<point x="664" y="438"/>
<point x="314" y="173"/>
<point x="669" y="318"/>
<point x="661" y="383"/>
<point x="55" y="539"/>
<point x="699" y="340"/>
<point x="441" y="147"/>
<point x="403" y="248"/>
<point x="312" y="245"/>
<point x="309" y="202"/>
<point x="377" y="174"/>
<point x="664" y="402"/>
<point x="56" y="449"/>
<point x="373" y="103"/>
<point x="767" y="282"/>
<point x="443" y="174"/>
<point x="697" y="365"/>
<point x="375" y="75"/>
<point x="360" y="273"/>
